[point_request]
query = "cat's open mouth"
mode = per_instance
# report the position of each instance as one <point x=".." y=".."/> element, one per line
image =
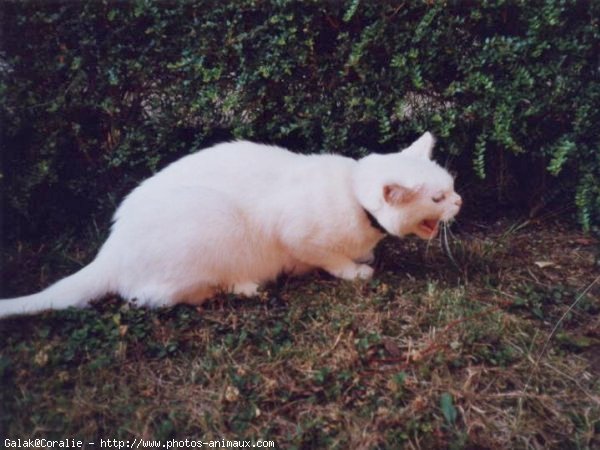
<point x="429" y="227"/>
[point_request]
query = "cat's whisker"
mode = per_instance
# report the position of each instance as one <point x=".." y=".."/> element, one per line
<point x="427" y="247"/>
<point x="452" y="235"/>
<point x="444" y="236"/>
<point x="447" y="245"/>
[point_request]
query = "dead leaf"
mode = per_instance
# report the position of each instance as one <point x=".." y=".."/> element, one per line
<point x="392" y="348"/>
<point x="544" y="264"/>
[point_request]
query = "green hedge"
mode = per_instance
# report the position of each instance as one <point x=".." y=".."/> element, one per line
<point x="98" y="94"/>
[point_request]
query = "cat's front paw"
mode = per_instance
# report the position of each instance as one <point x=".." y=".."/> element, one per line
<point x="354" y="272"/>
<point x="364" y="272"/>
<point x="248" y="289"/>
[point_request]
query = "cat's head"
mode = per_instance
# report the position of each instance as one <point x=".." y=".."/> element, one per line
<point x="407" y="192"/>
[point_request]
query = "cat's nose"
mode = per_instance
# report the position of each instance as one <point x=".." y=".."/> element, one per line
<point x="458" y="201"/>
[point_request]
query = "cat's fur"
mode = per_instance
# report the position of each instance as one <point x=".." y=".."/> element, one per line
<point x="236" y="215"/>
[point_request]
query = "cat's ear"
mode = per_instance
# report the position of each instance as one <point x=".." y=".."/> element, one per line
<point x="397" y="195"/>
<point x="421" y="148"/>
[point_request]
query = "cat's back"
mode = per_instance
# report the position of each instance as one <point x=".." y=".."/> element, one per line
<point x="224" y="167"/>
<point x="231" y="166"/>
<point x="232" y="157"/>
<point x="246" y="172"/>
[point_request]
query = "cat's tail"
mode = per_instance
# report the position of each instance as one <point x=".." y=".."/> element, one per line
<point x="76" y="290"/>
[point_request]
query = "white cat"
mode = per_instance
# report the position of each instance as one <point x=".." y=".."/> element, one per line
<point x="234" y="216"/>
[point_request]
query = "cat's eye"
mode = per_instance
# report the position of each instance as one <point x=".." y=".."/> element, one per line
<point x="438" y="198"/>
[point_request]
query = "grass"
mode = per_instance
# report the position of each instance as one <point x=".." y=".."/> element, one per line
<point x="433" y="353"/>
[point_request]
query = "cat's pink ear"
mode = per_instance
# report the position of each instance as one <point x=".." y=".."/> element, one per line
<point x="421" y="148"/>
<point x="396" y="195"/>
